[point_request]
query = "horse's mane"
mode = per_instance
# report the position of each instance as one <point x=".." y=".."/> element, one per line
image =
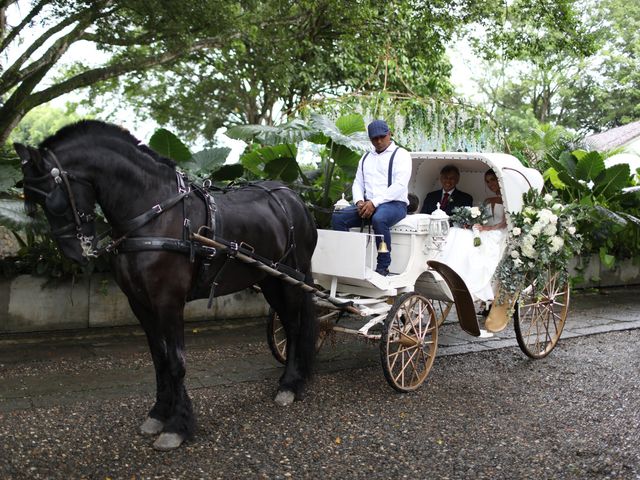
<point x="99" y="128"/>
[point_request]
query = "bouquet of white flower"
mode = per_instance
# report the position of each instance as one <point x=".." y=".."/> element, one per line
<point x="542" y="236"/>
<point x="466" y="217"/>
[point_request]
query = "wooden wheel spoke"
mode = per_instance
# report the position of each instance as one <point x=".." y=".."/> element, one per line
<point x="541" y="316"/>
<point x="410" y="329"/>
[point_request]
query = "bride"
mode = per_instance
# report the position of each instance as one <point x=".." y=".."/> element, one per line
<point x="476" y="265"/>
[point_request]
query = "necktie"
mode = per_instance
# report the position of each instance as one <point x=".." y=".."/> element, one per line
<point x="445" y="200"/>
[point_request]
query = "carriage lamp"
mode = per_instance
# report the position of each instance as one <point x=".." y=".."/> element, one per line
<point x="439" y="227"/>
<point x="341" y="204"/>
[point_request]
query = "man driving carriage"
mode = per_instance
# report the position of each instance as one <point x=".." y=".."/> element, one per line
<point x="379" y="190"/>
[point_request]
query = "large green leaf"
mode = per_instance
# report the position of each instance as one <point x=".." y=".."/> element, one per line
<point x="349" y="124"/>
<point x="633" y="219"/>
<point x="612" y="180"/>
<point x="346" y="158"/>
<point x="551" y="174"/>
<point x="569" y="180"/>
<point x="167" y="144"/>
<point x="589" y="166"/>
<point x="9" y="176"/>
<point x="566" y="162"/>
<point x="608" y="214"/>
<point x="257" y="161"/>
<point x="13" y="216"/>
<point x="356" y="141"/>
<point x="283" y="168"/>
<point x="228" y="172"/>
<point x="291" y="132"/>
<point x="206" y="161"/>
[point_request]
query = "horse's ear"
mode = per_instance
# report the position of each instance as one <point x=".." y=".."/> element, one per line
<point x="30" y="156"/>
<point x="23" y="152"/>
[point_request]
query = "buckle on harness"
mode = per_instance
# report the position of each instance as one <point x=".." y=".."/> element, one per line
<point x="157" y="208"/>
<point x="232" y="250"/>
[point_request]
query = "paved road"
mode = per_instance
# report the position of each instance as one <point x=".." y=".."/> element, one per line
<point x="70" y="405"/>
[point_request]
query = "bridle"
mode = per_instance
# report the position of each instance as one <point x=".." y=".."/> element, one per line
<point x="60" y="200"/>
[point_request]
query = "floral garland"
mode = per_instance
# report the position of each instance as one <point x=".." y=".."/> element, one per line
<point x="466" y="217"/>
<point x="542" y="237"/>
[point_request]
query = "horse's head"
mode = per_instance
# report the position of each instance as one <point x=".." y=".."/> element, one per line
<point x="67" y="200"/>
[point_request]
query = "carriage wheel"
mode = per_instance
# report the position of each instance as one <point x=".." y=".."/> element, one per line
<point x="540" y="314"/>
<point x="277" y="338"/>
<point x="409" y="342"/>
<point x="441" y="309"/>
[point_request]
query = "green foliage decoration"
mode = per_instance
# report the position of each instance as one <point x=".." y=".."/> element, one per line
<point x="542" y="238"/>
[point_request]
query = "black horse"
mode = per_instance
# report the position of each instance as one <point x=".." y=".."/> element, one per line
<point x="151" y="209"/>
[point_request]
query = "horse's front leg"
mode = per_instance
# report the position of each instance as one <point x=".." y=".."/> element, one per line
<point x="172" y="414"/>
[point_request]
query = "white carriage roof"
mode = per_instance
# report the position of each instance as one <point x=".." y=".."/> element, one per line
<point x="514" y="178"/>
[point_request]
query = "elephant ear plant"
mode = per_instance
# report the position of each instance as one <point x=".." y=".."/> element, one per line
<point x="274" y="150"/>
<point x="609" y="198"/>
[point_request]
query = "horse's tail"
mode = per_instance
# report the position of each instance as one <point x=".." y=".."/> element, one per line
<point x="308" y="331"/>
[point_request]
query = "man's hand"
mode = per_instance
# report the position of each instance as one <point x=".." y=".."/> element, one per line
<point x="365" y="208"/>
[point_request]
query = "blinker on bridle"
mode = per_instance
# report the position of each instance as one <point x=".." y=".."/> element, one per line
<point x="60" y="200"/>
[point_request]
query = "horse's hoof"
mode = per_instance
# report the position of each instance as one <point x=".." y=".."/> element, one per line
<point x="285" y="398"/>
<point x="168" y="441"/>
<point x="151" y="426"/>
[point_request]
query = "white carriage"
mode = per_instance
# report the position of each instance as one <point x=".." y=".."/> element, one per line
<point x="405" y="309"/>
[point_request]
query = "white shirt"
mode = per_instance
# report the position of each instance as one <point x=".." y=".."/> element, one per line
<point x="373" y="183"/>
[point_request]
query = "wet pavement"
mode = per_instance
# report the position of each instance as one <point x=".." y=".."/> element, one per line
<point x="47" y="366"/>
<point x="70" y="403"/>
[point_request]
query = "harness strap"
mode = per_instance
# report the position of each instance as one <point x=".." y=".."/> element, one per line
<point x="138" y="244"/>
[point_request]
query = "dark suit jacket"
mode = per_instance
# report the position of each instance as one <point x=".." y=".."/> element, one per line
<point x="456" y="199"/>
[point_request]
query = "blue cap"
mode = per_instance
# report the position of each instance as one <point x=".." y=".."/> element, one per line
<point x="378" y="128"/>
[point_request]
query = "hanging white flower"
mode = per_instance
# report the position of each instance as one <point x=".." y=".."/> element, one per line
<point x="556" y="243"/>
<point x="529" y="251"/>
<point x="550" y="229"/>
<point x="572" y="230"/>
<point x="537" y="228"/>
<point x="516" y="231"/>
<point x="546" y="216"/>
<point x="548" y="198"/>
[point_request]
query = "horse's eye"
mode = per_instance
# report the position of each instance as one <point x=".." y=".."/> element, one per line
<point x="57" y="202"/>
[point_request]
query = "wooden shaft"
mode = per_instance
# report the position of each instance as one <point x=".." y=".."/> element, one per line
<point x="275" y="273"/>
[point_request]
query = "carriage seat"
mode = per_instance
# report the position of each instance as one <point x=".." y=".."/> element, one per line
<point x="414" y="223"/>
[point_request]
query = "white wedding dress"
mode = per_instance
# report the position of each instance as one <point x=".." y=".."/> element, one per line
<point x="476" y="265"/>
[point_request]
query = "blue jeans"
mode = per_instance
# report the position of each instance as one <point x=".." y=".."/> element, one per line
<point x="385" y="216"/>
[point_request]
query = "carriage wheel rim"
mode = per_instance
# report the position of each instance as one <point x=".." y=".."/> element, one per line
<point x="541" y="318"/>
<point x="409" y="343"/>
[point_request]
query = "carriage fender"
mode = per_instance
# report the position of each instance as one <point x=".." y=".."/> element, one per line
<point x="461" y="296"/>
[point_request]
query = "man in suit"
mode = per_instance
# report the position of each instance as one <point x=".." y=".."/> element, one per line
<point x="449" y="196"/>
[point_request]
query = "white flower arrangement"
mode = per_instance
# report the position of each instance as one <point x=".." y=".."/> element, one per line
<point x="466" y="217"/>
<point x="542" y="237"/>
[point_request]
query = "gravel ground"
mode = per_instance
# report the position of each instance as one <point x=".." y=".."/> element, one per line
<point x="496" y="414"/>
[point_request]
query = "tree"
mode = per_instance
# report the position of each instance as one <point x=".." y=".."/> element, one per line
<point x="579" y="69"/>
<point x="326" y="48"/>
<point x="139" y="35"/>
<point x="40" y="123"/>
<point x="215" y="62"/>
<point x="538" y="57"/>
